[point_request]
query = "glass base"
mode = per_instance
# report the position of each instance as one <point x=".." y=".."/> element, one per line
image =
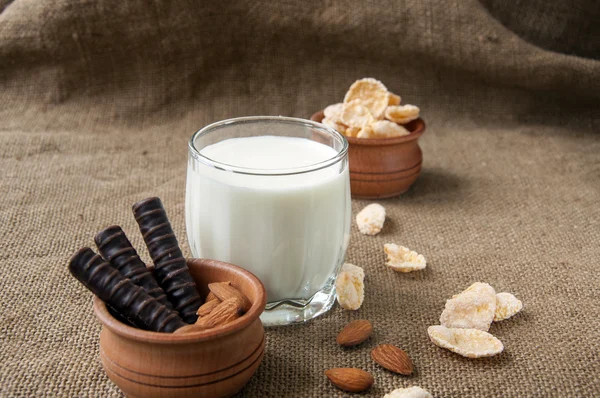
<point x="288" y="312"/>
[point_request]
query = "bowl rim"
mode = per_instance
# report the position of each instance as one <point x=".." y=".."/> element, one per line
<point x="130" y="332"/>
<point x="414" y="134"/>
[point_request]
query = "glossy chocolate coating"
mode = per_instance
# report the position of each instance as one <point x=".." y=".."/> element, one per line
<point x="116" y="249"/>
<point x="120" y="293"/>
<point x="170" y="267"/>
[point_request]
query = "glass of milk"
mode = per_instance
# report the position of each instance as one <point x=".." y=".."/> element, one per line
<point x="272" y="195"/>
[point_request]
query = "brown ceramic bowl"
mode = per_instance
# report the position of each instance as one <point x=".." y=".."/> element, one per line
<point x="383" y="167"/>
<point x="211" y="363"/>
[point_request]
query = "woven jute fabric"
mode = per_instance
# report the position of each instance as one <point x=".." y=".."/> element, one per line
<point x="98" y="100"/>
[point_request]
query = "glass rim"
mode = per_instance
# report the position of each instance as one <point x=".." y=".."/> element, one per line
<point x="268" y="172"/>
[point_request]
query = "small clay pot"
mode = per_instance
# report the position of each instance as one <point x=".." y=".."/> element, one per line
<point x="216" y="362"/>
<point x="383" y="167"/>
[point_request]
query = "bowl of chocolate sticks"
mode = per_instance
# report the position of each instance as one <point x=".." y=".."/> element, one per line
<point x="185" y="327"/>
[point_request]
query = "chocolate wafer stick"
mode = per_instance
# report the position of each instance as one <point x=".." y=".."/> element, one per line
<point x="128" y="299"/>
<point x="170" y="267"/>
<point x="118" y="316"/>
<point x="116" y="249"/>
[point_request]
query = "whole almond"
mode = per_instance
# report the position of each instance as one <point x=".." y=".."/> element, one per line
<point x="225" y="312"/>
<point x="224" y="291"/>
<point x="207" y="307"/>
<point x="392" y="358"/>
<point x="210" y="297"/>
<point x="187" y="329"/>
<point x="355" y="333"/>
<point x="350" y="379"/>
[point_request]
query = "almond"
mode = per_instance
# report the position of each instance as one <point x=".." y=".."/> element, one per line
<point x="210" y="297"/>
<point x="350" y="379"/>
<point x="224" y="291"/>
<point x="187" y="329"/>
<point x="224" y="312"/>
<point x="392" y="358"/>
<point x="354" y="333"/>
<point x="207" y="307"/>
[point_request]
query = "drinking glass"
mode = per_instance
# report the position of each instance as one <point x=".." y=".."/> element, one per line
<point x="290" y="227"/>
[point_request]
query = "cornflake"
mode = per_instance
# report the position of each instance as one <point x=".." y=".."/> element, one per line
<point x="369" y="110"/>
<point x="402" y="113"/>
<point x="507" y="305"/>
<point x="387" y="129"/>
<point x="393" y="99"/>
<point x="411" y="392"/>
<point x="365" y="132"/>
<point x="371" y="93"/>
<point x="402" y="259"/>
<point x="352" y="131"/>
<point x="370" y="219"/>
<point x="470" y="343"/>
<point x="473" y="308"/>
<point x="355" y="114"/>
<point x="350" y="288"/>
<point x="334" y="112"/>
<point x="338" y="126"/>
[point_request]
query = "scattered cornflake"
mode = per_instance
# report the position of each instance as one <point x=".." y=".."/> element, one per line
<point x="370" y="219"/>
<point x="371" y="93"/>
<point x="507" y="305"/>
<point x="473" y="308"/>
<point x="350" y="288"/>
<point x="402" y="259"/>
<point x="470" y="343"/>
<point x="402" y="113"/>
<point x="410" y="392"/>
<point x="387" y="129"/>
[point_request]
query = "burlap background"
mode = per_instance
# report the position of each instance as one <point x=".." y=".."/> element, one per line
<point x="98" y="99"/>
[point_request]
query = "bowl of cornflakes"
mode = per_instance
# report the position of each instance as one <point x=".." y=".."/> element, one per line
<point x="384" y="153"/>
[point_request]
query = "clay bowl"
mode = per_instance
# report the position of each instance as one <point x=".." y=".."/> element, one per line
<point x="211" y="363"/>
<point x="383" y="167"/>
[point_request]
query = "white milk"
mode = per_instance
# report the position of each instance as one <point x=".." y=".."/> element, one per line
<point x="291" y="231"/>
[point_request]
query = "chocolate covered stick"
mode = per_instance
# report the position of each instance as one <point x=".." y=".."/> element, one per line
<point x="170" y="268"/>
<point x="116" y="249"/>
<point x="128" y="299"/>
<point x="118" y="316"/>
